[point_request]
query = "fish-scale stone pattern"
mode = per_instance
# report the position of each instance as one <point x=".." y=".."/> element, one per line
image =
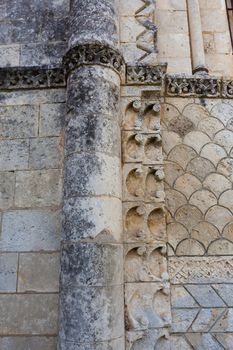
<point x="197" y="143"/>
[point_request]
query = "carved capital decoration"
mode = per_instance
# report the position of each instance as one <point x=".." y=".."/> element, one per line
<point x="144" y="75"/>
<point x="90" y="54"/>
<point x="13" y="78"/>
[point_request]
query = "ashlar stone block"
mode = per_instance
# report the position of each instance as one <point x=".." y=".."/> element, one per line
<point x="37" y="314"/>
<point x="18" y="121"/>
<point x="14" y="154"/>
<point x="38" y="188"/>
<point x="51" y="119"/>
<point x="30" y="230"/>
<point x="8" y="272"/>
<point x="28" y="343"/>
<point x="45" y="153"/>
<point x="38" y="272"/>
<point x="7" y="185"/>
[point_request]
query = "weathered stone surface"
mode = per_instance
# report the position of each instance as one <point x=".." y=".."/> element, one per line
<point x="32" y="97"/>
<point x="7" y="185"/>
<point x="89" y="217"/>
<point x="45" y="153"/>
<point x="37" y="54"/>
<point x="38" y="188"/>
<point x="37" y="314"/>
<point x="14" y="154"/>
<point x="225" y="322"/>
<point x="187" y="184"/>
<point x="95" y="21"/>
<point x="110" y="345"/>
<point x="98" y="85"/>
<point x="179" y="342"/>
<point x="203" y="341"/>
<point x="51" y="119"/>
<point x="200" y="270"/>
<point x="28" y="343"/>
<point x="87" y="264"/>
<point x="105" y="176"/>
<point x="92" y="133"/>
<point x="181" y="298"/>
<point x="10" y="55"/>
<point x="182" y="319"/>
<point x="150" y="339"/>
<point x="200" y="167"/>
<point x="38" y="272"/>
<point x="206" y="318"/>
<point x="83" y="310"/>
<point x="225" y="291"/>
<point x="147" y="306"/>
<point x="18" y="121"/>
<point x="205" y="295"/>
<point x="8" y="272"/>
<point x="30" y="230"/>
<point x="219" y="216"/>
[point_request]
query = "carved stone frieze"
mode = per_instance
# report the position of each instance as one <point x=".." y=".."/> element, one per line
<point x="144" y="74"/>
<point x="93" y="54"/>
<point x="31" y="78"/>
<point x="227" y="88"/>
<point x="200" y="86"/>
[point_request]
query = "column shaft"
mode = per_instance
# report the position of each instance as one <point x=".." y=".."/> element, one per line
<point x="197" y="46"/>
<point x="91" y="285"/>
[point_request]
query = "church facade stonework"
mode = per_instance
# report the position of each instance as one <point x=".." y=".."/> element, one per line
<point x="116" y="174"/>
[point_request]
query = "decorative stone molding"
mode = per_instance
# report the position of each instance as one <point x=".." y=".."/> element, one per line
<point x="142" y="74"/>
<point x="147" y="40"/>
<point x="145" y="274"/>
<point x="31" y="78"/>
<point x="200" y="86"/>
<point x="227" y="88"/>
<point x="91" y="54"/>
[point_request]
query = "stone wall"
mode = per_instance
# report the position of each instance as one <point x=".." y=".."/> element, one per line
<point x="33" y="32"/>
<point x="198" y="143"/>
<point x="158" y="31"/>
<point x="31" y="161"/>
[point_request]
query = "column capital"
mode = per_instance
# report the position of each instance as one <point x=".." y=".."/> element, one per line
<point x="93" y="54"/>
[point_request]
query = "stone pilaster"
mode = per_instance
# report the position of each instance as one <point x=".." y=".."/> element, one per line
<point x="91" y="301"/>
<point x="147" y="288"/>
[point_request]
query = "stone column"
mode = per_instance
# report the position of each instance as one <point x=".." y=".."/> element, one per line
<point x="197" y="46"/>
<point x="91" y="286"/>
